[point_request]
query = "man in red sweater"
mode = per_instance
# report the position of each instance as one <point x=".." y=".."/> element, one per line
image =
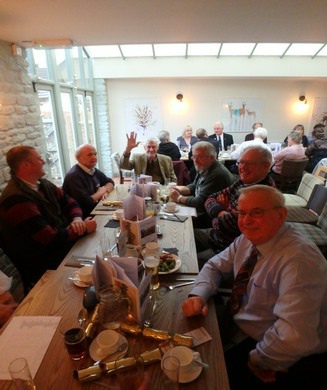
<point x="38" y="222"/>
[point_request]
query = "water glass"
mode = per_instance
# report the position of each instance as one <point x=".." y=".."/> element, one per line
<point x="170" y="366"/>
<point x="21" y="375"/>
<point x="107" y="242"/>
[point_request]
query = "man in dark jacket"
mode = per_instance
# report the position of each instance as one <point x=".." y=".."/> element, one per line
<point x="84" y="182"/>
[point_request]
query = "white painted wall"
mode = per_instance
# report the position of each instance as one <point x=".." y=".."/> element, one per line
<point x="202" y="103"/>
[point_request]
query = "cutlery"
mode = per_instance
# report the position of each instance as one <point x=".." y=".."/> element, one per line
<point x="120" y="349"/>
<point x="200" y="363"/>
<point x="172" y="287"/>
<point x="83" y="316"/>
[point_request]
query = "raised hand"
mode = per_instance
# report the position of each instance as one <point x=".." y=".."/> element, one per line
<point x="131" y="141"/>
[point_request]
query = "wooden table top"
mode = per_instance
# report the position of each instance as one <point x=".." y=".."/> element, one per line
<point x="55" y="295"/>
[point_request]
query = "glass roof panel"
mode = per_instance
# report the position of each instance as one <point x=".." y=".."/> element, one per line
<point x="236" y="49"/>
<point x="303" y="49"/>
<point x="170" y="50"/>
<point x="323" y="52"/>
<point x="137" y="50"/>
<point x="103" y="51"/>
<point x="270" y="49"/>
<point x="203" y="49"/>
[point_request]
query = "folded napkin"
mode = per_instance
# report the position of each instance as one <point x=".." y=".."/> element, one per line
<point x="173" y="251"/>
<point x="134" y="208"/>
<point x="79" y="261"/>
<point x="112" y="223"/>
<point x="103" y="273"/>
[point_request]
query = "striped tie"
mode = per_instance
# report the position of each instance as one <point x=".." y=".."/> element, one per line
<point x="242" y="279"/>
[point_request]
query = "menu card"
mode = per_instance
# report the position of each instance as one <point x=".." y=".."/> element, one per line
<point x="27" y="337"/>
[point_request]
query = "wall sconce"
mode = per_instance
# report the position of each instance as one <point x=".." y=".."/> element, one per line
<point x="303" y="99"/>
<point x="179" y="97"/>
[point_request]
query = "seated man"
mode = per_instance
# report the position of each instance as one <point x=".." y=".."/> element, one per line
<point x="7" y="302"/>
<point x="168" y="148"/>
<point x="278" y="306"/>
<point x="150" y="163"/>
<point x="317" y="149"/>
<point x="211" y="176"/>
<point x="259" y="135"/>
<point x="224" y="140"/>
<point x="39" y="223"/>
<point x="84" y="182"/>
<point x="221" y="207"/>
<point x="294" y="151"/>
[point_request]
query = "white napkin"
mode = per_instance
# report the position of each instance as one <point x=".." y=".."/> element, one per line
<point x="142" y="190"/>
<point x="5" y="282"/>
<point x="134" y="208"/>
<point x="103" y="273"/>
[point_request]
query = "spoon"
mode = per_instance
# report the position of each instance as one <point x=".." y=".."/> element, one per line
<point x="200" y="363"/>
<point x="83" y="316"/>
<point x="120" y="349"/>
<point x="172" y="287"/>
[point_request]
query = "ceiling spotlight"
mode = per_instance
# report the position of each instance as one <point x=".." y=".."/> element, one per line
<point x="179" y="97"/>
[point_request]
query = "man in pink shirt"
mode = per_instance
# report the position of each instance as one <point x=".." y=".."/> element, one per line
<point x="294" y="151"/>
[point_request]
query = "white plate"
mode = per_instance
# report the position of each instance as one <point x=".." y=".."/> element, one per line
<point x="116" y="355"/>
<point x="171" y="212"/>
<point x="186" y="377"/>
<point x="178" y="264"/>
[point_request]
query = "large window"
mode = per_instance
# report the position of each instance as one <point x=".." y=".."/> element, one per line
<point x="63" y="79"/>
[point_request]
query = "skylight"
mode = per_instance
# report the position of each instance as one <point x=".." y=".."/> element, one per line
<point x="208" y="49"/>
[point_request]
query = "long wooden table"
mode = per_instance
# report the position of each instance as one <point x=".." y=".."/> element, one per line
<point x="55" y="295"/>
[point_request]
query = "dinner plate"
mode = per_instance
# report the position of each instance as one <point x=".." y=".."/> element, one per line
<point x="186" y="377"/>
<point x="171" y="212"/>
<point x="177" y="265"/>
<point x="116" y="355"/>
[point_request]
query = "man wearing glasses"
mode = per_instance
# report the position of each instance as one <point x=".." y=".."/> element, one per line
<point x="254" y="165"/>
<point x="278" y="313"/>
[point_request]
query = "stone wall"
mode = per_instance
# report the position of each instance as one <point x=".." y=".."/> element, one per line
<point x="20" y="121"/>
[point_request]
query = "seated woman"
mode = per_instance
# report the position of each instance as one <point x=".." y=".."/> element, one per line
<point x="186" y="140"/>
<point x="300" y="129"/>
<point x="294" y="151"/>
<point x="317" y="149"/>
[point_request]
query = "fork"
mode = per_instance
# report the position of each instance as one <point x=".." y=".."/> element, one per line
<point x="172" y="287"/>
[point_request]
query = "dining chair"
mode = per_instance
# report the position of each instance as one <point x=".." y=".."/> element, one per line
<point x="124" y="175"/>
<point x="182" y="173"/>
<point x="311" y="212"/>
<point x="304" y="191"/>
<point x="291" y="175"/>
<point x="317" y="234"/>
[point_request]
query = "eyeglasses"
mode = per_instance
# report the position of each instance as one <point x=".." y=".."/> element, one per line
<point x="254" y="213"/>
<point x="247" y="163"/>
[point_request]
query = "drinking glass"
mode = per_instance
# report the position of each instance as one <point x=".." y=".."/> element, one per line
<point x="107" y="243"/>
<point x="130" y="372"/>
<point x="74" y="339"/>
<point x="151" y="264"/>
<point x="164" y="193"/>
<point x="170" y="366"/>
<point x="21" y="375"/>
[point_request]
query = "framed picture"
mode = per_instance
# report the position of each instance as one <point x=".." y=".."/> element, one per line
<point x="322" y="172"/>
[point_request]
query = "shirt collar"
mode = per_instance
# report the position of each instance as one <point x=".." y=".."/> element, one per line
<point x="34" y="187"/>
<point x="87" y="170"/>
